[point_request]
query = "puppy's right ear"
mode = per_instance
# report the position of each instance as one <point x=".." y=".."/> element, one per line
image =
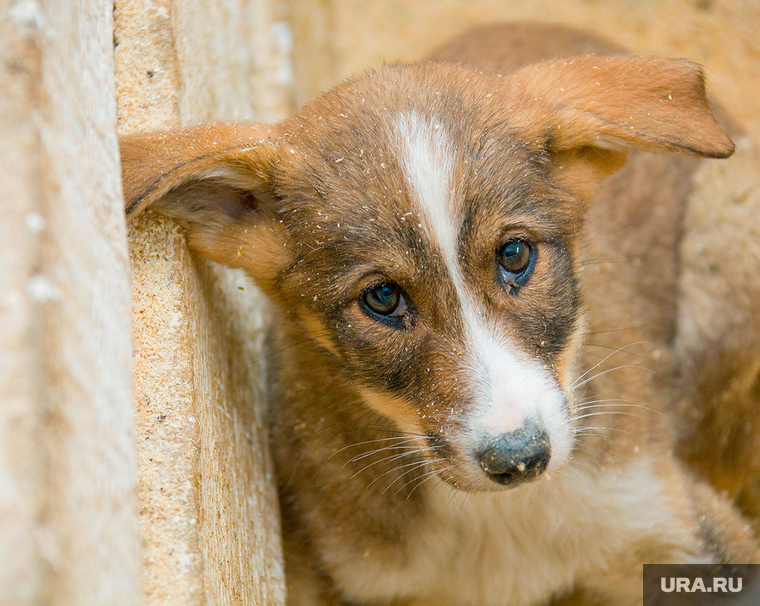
<point x="217" y="182"/>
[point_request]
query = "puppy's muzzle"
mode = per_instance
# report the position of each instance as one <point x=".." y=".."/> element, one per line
<point x="520" y="456"/>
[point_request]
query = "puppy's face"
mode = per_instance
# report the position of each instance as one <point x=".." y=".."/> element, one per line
<point x="436" y="259"/>
<point x="420" y="223"/>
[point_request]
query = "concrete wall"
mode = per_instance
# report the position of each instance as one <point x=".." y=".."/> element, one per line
<point x="68" y="504"/>
<point x="208" y="509"/>
<point x="142" y="475"/>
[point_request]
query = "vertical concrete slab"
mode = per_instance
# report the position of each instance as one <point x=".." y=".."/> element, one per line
<point x="68" y="523"/>
<point x="208" y="504"/>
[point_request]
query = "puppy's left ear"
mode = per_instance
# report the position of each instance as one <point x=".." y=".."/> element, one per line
<point x="217" y="181"/>
<point x="589" y="111"/>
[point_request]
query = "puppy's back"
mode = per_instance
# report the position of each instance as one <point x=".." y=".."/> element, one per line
<point x="504" y="47"/>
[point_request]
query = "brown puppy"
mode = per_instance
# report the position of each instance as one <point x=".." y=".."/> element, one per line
<point x="460" y="318"/>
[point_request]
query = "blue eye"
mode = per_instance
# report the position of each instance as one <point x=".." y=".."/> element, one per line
<point x="385" y="300"/>
<point x="515" y="259"/>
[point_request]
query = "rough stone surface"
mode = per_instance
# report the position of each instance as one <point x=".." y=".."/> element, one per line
<point x="68" y="516"/>
<point x="208" y="505"/>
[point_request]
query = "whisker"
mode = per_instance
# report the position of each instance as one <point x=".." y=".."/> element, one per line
<point x="374" y="452"/>
<point x="538" y="492"/>
<point x="581" y="434"/>
<point x="364" y="455"/>
<point x="612" y="403"/>
<point x="452" y="494"/>
<point x="589" y="401"/>
<point x="369" y="442"/>
<point x="388" y="458"/>
<point x="598" y="364"/>
<point x="623" y="405"/>
<point x="609" y="370"/>
<point x="440" y="479"/>
<point x="581" y="446"/>
<point x="602" y="332"/>
<point x="609" y="412"/>
<point x="438" y="483"/>
<point x="427" y="476"/>
<point x="401" y="433"/>
<point x="589" y="344"/>
<point x="575" y="466"/>
<point x="461" y="507"/>
<point x="415" y="465"/>
<point x="583" y="430"/>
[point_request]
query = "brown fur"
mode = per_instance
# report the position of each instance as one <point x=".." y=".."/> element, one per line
<point x="317" y="208"/>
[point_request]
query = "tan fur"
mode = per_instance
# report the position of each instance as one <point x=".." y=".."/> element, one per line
<point x="153" y="163"/>
<point x="646" y="102"/>
<point x="400" y="412"/>
<point x="371" y="419"/>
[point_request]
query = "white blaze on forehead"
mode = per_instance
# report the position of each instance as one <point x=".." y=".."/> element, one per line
<point x="512" y="386"/>
<point x="428" y="162"/>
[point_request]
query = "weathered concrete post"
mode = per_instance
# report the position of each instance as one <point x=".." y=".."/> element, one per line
<point x="208" y="507"/>
<point x="68" y="498"/>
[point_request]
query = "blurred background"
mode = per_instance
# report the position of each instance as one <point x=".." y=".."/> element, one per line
<point x="334" y="38"/>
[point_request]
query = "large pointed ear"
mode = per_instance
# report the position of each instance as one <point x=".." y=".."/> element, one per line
<point x="587" y="112"/>
<point x="217" y="182"/>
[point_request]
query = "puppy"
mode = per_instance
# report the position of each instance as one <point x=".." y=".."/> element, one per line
<point x="465" y="410"/>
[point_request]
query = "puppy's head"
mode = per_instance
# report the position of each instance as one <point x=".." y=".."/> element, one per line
<point x="421" y="222"/>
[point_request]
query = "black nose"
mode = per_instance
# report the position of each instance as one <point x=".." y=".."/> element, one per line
<point x="517" y="457"/>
